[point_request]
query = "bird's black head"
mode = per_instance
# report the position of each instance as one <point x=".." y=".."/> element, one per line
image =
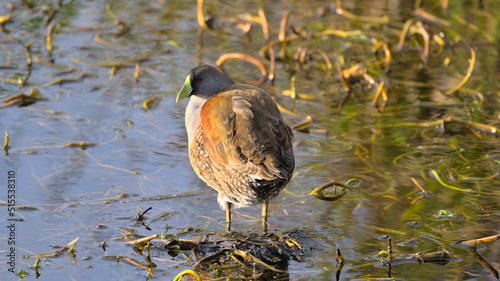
<point x="204" y="81"/>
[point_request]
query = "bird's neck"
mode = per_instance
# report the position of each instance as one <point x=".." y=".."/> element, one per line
<point x="193" y="118"/>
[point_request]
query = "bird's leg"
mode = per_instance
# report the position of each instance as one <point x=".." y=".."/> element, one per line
<point x="264" y="217"/>
<point x="228" y="216"/>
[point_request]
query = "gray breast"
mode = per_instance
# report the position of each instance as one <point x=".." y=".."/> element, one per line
<point x="193" y="119"/>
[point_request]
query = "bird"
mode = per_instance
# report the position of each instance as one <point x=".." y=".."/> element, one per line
<point x="239" y="143"/>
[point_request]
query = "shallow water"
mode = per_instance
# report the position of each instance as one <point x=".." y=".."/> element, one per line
<point x="76" y="192"/>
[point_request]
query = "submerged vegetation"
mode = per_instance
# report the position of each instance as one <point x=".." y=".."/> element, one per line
<point x="395" y="110"/>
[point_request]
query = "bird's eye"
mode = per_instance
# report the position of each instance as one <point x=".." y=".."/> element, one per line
<point x="200" y="79"/>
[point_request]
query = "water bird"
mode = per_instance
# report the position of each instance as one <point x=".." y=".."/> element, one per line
<point x="239" y="143"/>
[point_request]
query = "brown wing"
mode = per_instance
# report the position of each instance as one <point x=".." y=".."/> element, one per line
<point x="244" y="130"/>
